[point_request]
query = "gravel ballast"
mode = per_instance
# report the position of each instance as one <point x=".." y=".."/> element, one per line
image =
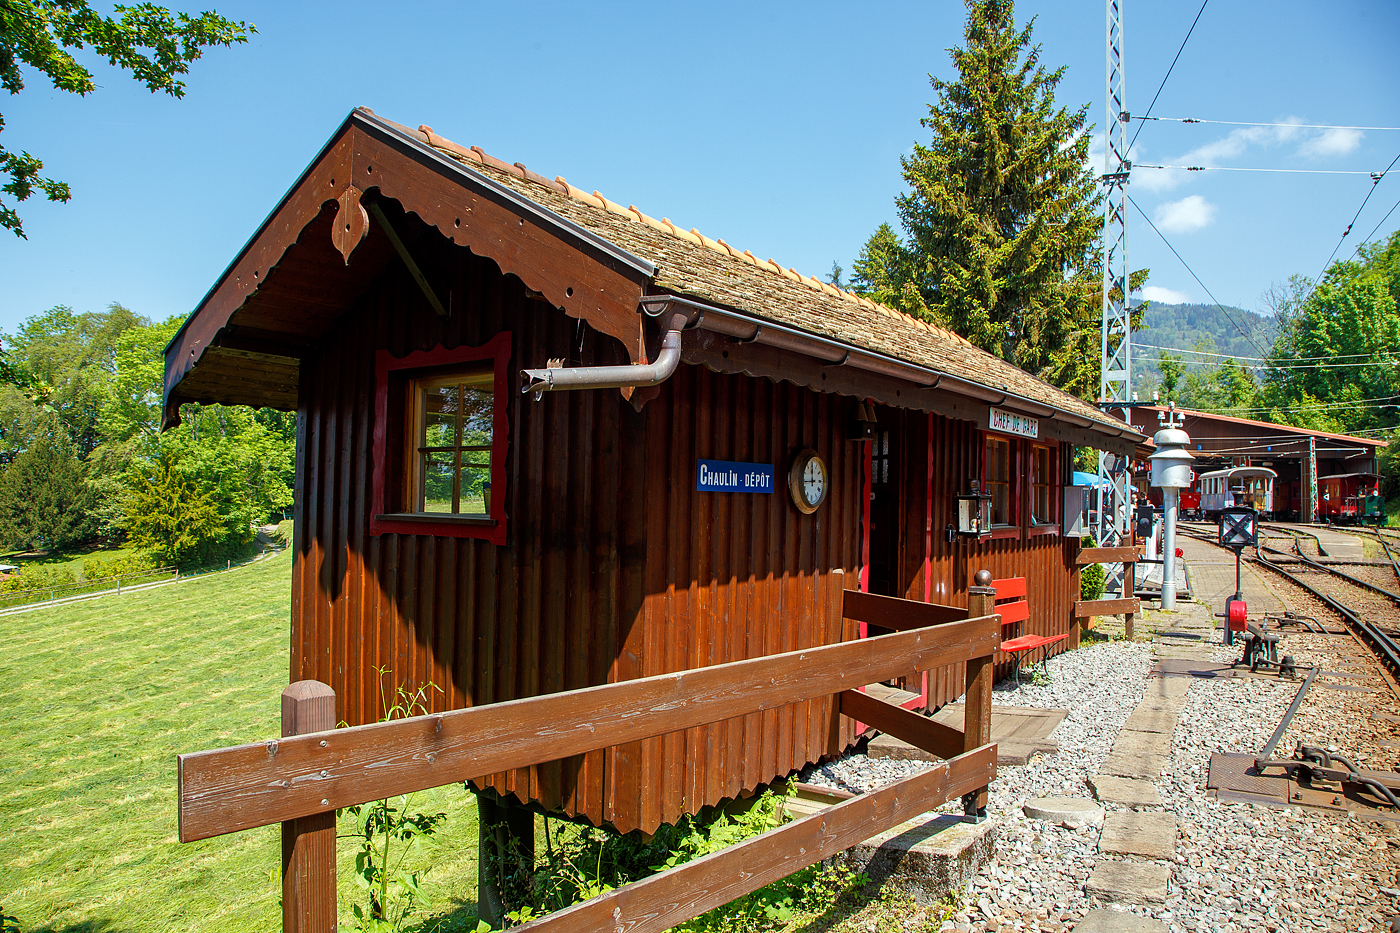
<point x="1235" y="866"/>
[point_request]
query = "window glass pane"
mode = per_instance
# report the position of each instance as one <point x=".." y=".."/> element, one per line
<point x="440" y="416"/>
<point x="438" y="474"/>
<point x="476" y="416"/>
<point x="476" y="482"/>
<point x="1001" y="511"/>
<point x="454" y="444"/>
<point x="999" y="470"/>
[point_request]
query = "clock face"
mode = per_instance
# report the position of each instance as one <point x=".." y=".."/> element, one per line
<point x="807" y="481"/>
<point x="813" y="482"/>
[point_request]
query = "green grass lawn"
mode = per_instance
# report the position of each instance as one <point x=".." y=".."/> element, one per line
<point x="98" y="698"/>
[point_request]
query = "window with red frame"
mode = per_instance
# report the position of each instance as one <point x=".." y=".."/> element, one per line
<point x="997" y="480"/>
<point x="440" y="441"/>
<point x="1043" y="485"/>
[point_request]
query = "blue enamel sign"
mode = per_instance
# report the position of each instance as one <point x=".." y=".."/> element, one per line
<point x="726" y="476"/>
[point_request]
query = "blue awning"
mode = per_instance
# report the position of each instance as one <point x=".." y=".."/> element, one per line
<point x="1080" y="478"/>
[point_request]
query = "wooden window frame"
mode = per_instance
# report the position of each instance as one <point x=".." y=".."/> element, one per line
<point x="1056" y="480"/>
<point x="1014" y="482"/>
<point x="395" y="429"/>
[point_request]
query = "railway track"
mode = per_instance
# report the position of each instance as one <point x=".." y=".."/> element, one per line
<point x="1370" y="610"/>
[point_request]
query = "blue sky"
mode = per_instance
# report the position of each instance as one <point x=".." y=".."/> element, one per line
<point x="776" y="126"/>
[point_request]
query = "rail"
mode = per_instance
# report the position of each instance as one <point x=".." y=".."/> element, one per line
<point x="300" y="779"/>
<point x="1382" y="644"/>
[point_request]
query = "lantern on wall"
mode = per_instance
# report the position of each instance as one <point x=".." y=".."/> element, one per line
<point x="862" y="424"/>
<point x="974" y="512"/>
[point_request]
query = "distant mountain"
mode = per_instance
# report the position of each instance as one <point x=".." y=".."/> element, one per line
<point x="1182" y="327"/>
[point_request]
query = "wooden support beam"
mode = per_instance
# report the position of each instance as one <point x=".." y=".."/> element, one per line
<point x="686" y="891"/>
<point x="1106" y="555"/>
<point x="899" y="615"/>
<point x="920" y="731"/>
<point x="977" y="720"/>
<point x="308" y="842"/>
<point x="231" y="789"/>
<point x="407" y="258"/>
<point x="1084" y="608"/>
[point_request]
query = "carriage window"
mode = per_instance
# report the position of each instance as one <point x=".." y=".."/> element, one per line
<point x="1042" y="485"/>
<point x="996" y="479"/>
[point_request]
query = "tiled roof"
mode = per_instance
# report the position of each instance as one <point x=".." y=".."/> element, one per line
<point x="692" y="264"/>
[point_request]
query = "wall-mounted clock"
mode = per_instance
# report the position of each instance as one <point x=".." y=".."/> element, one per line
<point x="808" y="481"/>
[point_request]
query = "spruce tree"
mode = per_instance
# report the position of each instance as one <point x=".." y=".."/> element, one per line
<point x="1002" y="212"/>
<point x="44" y="496"/>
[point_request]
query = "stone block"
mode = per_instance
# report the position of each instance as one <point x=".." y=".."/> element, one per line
<point x="1149" y="833"/>
<point x="1140" y="766"/>
<point x="1075" y="811"/>
<point x="929" y="857"/>
<point x="1125" y="792"/>
<point x="1167" y="687"/>
<point x="1128" y="882"/>
<point x="1143" y="743"/>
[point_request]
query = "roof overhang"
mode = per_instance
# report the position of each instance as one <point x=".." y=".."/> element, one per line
<point x="306" y="263"/>
<point x="318" y="250"/>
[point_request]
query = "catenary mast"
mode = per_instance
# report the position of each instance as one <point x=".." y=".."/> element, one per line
<point x="1115" y="372"/>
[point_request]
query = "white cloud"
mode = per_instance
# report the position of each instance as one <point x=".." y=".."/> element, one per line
<point x="1164" y="295"/>
<point x="1331" y="142"/>
<point x="1158" y="179"/>
<point x="1188" y="215"/>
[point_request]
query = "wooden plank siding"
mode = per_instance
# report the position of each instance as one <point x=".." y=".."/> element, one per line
<point x="615" y="567"/>
<point x="937" y="459"/>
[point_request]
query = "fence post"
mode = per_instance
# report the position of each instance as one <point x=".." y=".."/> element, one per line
<point x="308" y="843"/>
<point x="977" y="722"/>
<point x="1129" y="592"/>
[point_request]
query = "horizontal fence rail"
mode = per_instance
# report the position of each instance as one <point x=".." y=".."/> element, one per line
<point x="232" y="789"/>
<point x="678" y="894"/>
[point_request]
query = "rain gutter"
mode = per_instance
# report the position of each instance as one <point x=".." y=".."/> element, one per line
<point x="678" y="314"/>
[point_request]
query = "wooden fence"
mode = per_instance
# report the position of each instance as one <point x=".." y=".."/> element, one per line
<point x="1128" y="605"/>
<point x="301" y="779"/>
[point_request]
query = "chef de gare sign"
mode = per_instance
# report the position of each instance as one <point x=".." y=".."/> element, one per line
<point x="727" y="476"/>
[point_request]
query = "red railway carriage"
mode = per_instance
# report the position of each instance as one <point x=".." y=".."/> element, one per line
<point x="1188" y="503"/>
<point x="1340" y="497"/>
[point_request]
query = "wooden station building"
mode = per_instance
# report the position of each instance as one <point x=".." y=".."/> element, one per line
<point x="1303" y="459"/>
<point x="740" y="433"/>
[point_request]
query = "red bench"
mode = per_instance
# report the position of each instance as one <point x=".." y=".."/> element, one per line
<point x="1015" y="611"/>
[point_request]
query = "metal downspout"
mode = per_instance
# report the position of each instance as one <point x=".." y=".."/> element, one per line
<point x="558" y="378"/>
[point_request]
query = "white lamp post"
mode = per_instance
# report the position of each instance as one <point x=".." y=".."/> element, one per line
<point x="1171" y="472"/>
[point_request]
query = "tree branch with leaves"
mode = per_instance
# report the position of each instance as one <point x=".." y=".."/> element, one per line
<point x="149" y="41"/>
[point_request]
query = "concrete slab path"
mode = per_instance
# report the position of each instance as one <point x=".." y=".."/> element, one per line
<point x="1148" y="833"/>
<point x="1125" y="882"/>
<point x="1117" y="921"/>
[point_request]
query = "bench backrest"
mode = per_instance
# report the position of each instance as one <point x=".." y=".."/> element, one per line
<point x="1012" y="604"/>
